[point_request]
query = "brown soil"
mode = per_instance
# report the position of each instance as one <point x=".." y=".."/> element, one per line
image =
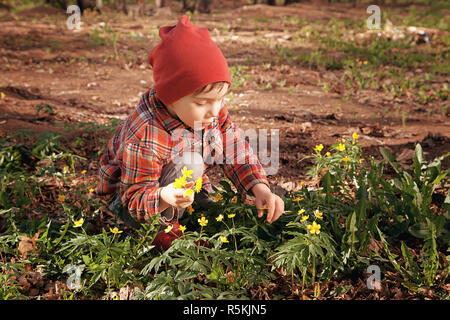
<point x="45" y="63"/>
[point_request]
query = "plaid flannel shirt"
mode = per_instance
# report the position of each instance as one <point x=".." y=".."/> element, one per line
<point x="150" y="138"/>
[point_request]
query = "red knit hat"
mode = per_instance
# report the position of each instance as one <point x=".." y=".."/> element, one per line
<point x="185" y="61"/>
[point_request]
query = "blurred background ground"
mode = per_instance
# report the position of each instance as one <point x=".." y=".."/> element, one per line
<point x="310" y="69"/>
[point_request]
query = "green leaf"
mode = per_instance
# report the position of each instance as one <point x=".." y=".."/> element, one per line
<point x="86" y="259"/>
<point x="226" y="186"/>
<point x="389" y="157"/>
<point x="63" y="233"/>
<point x="352" y="223"/>
<point x="390" y="255"/>
<point x="441" y="176"/>
<point x="419" y="158"/>
<point x="326" y="184"/>
<point x="411" y="265"/>
<point x="419" y="230"/>
<point x="446" y="238"/>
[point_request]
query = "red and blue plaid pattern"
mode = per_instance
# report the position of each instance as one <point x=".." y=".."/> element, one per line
<point x="150" y="138"/>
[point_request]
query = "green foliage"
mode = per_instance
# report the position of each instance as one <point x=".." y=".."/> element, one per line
<point x="201" y="261"/>
<point x="238" y="78"/>
<point x="399" y="203"/>
<point x="415" y="188"/>
<point x="9" y="288"/>
<point x="308" y="254"/>
<point x="328" y="230"/>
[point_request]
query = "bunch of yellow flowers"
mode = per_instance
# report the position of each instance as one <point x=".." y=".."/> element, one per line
<point x="181" y="183"/>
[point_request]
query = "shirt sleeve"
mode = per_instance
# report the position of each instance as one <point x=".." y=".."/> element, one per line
<point x="109" y="171"/>
<point x="140" y="172"/>
<point x="241" y="165"/>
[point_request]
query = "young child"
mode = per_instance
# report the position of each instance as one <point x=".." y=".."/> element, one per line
<point x="147" y="153"/>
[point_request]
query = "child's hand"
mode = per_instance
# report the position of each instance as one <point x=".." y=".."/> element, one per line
<point x="175" y="197"/>
<point x="263" y="196"/>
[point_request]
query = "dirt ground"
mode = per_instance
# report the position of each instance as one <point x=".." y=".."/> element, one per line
<point x="77" y="73"/>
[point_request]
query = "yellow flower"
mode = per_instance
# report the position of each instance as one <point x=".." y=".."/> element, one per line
<point x="314" y="228"/>
<point x="224" y="239"/>
<point x="318" y="214"/>
<point x="182" y="228"/>
<point x="198" y="184"/>
<point x="78" y="223"/>
<point x="61" y="198"/>
<point x="190" y="210"/>
<point x="345" y="159"/>
<point x="83" y="172"/>
<point x="65" y="169"/>
<point x="361" y="160"/>
<point x="2" y="96"/>
<point x="231" y="215"/>
<point x="115" y="230"/>
<point x="365" y="62"/>
<point x="218" y="197"/>
<point x="187" y="173"/>
<point x="298" y="199"/>
<point x="304" y="218"/>
<point x="341" y="147"/>
<point x="300" y="212"/>
<point x="318" y="147"/>
<point x="355" y="136"/>
<point x="203" y="222"/>
<point x="179" y="183"/>
<point x="328" y="153"/>
<point x="169" y="228"/>
<point x="220" y="217"/>
<point x="188" y="192"/>
<point x="91" y="190"/>
<point x="234" y="200"/>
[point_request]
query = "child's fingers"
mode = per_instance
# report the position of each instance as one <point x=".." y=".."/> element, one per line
<point x="271" y="209"/>
<point x="183" y="196"/>
<point x="279" y="209"/>
<point x="184" y="201"/>
<point x="260" y="211"/>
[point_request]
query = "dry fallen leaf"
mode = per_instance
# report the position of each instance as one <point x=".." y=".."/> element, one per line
<point x="27" y="244"/>
<point x="126" y="293"/>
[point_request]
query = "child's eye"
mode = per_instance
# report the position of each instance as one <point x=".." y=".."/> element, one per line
<point x="200" y="103"/>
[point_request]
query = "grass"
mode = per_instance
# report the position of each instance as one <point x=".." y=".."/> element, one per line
<point x="377" y="64"/>
<point x="238" y="76"/>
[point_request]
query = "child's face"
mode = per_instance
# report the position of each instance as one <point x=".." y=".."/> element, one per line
<point x="203" y="107"/>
